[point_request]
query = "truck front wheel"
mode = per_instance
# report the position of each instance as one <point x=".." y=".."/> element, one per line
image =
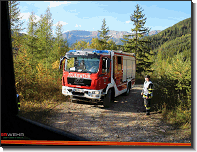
<point x="107" y="99"/>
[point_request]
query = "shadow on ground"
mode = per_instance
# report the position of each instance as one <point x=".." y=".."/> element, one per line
<point x="131" y="103"/>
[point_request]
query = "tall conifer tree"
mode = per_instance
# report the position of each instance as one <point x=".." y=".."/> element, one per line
<point x="60" y="44"/>
<point x="103" y="34"/>
<point x="32" y="40"/>
<point x="49" y="31"/>
<point x="45" y="35"/>
<point x="14" y="13"/>
<point x="135" y="42"/>
<point x="15" y="24"/>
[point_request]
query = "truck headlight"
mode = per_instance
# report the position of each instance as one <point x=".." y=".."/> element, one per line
<point x="95" y="92"/>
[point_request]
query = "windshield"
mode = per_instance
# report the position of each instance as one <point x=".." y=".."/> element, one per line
<point x="82" y="64"/>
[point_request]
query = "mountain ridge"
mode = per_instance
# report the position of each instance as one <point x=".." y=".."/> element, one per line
<point x="78" y="35"/>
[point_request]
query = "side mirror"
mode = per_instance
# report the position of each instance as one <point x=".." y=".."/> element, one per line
<point x="108" y="64"/>
<point x="61" y="59"/>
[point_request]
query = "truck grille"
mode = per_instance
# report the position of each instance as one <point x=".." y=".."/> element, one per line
<point x="79" y="81"/>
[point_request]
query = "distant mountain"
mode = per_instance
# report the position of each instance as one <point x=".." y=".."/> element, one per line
<point x="77" y="35"/>
<point x="153" y="32"/>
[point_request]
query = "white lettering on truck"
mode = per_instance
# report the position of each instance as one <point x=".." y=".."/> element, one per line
<point x="79" y="75"/>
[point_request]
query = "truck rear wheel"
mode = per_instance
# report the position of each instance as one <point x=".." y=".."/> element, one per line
<point x="107" y="99"/>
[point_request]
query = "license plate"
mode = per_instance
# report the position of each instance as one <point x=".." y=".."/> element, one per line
<point x="79" y="90"/>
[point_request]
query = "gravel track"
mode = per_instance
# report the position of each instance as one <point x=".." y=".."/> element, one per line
<point x="123" y="121"/>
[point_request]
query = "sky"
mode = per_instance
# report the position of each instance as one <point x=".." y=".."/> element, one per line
<point x="88" y="15"/>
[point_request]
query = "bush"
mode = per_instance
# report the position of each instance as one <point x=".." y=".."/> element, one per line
<point x="173" y="89"/>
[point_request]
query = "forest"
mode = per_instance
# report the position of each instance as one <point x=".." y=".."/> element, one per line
<point x="165" y="56"/>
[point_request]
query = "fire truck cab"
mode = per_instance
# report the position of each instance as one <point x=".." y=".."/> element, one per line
<point x="97" y="74"/>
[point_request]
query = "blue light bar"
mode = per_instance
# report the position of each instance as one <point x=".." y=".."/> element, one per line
<point x="72" y="51"/>
<point x="100" y="51"/>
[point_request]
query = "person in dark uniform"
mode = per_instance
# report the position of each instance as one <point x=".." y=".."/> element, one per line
<point x="147" y="93"/>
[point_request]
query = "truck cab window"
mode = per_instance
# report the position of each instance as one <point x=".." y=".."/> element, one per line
<point x="105" y="68"/>
<point x="119" y="62"/>
<point x="85" y="64"/>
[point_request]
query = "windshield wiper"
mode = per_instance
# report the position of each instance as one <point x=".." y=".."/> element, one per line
<point x="72" y="70"/>
<point x="90" y="72"/>
<point x="85" y="71"/>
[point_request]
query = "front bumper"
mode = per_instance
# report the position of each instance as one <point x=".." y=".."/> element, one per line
<point x="83" y="93"/>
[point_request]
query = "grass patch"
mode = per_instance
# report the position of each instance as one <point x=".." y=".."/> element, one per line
<point x="39" y="108"/>
<point x="178" y="120"/>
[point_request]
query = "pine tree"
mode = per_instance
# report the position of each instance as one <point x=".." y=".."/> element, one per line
<point x="31" y="42"/>
<point x="58" y="32"/>
<point x="111" y="45"/>
<point x="97" y="44"/>
<point x="41" y="34"/>
<point x="104" y="31"/>
<point x="103" y="34"/>
<point x="136" y="43"/>
<point x="49" y="31"/>
<point x="15" y="24"/>
<point x="14" y="13"/>
<point x="60" y="45"/>
<point x="45" y="35"/>
<point x="31" y="33"/>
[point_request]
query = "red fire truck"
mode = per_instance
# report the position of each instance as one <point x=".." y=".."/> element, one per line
<point x="97" y="74"/>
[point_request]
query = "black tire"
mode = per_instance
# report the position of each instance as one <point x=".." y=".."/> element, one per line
<point x="107" y="99"/>
<point x="128" y="89"/>
<point x="112" y="96"/>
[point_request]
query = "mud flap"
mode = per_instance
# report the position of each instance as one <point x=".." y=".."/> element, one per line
<point x="128" y="89"/>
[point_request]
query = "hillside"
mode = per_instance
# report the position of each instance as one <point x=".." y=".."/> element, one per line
<point x="173" y="40"/>
<point x="179" y="44"/>
<point x="77" y="35"/>
<point x="171" y="33"/>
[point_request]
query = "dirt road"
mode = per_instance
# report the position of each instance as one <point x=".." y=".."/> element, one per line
<point x="123" y="121"/>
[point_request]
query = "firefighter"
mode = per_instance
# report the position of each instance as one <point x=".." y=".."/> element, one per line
<point x="147" y="93"/>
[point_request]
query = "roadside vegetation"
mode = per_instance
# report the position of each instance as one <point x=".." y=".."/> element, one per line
<point x="165" y="56"/>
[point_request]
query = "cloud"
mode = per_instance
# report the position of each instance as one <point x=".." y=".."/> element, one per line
<point x="77" y="25"/>
<point x="66" y="31"/>
<point x="23" y="32"/>
<point x="57" y="3"/>
<point x="25" y="16"/>
<point x="61" y="22"/>
<point x="128" y="21"/>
